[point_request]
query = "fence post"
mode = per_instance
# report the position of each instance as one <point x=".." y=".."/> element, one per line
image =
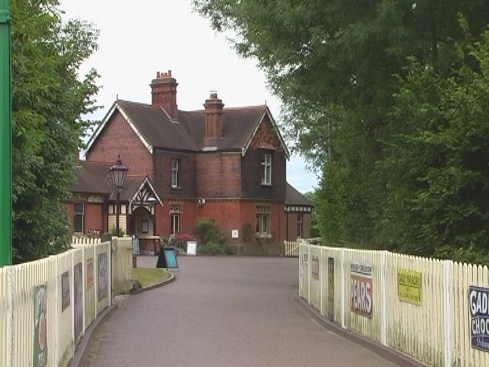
<point x="321" y="281"/>
<point x="72" y="301"/>
<point x="343" y="295"/>
<point x="448" y="314"/>
<point x="309" y="273"/>
<point x="111" y="256"/>
<point x="10" y="332"/>
<point x="383" y="295"/>
<point x="84" y="277"/>
<point x="58" y="308"/>
<point x="95" y="277"/>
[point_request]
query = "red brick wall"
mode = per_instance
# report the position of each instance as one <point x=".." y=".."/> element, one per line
<point x="162" y="217"/>
<point x="162" y="220"/>
<point x="93" y="218"/>
<point x="234" y="214"/>
<point x="306" y="225"/>
<point x="292" y="226"/>
<point x="229" y="214"/>
<point x="163" y="174"/>
<point x="218" y="175"/>
<point x="119" y="138"/>
<point x="252" y="171"/>
<point x="187" y="216"/>
<point x="277" y="229"/>
<point x="252" y="168"/>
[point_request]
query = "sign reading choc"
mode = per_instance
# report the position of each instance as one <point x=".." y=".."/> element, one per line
<point x="479" y="317"/>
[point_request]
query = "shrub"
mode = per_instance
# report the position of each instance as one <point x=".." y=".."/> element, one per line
<point x="210" y="249"/>
<point x="207" y="231"/>
<point x="113" y="232"/>
<point x="212" y="241"/>
<point x="179" y="241"/>
<point x="315" y="232"/>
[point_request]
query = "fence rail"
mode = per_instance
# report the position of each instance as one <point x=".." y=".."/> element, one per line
<point x="46" y="305"/>
<point x="291" y="248"/>
<point x="436" y="311"/>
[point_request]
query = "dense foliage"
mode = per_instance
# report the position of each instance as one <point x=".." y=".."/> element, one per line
<point x="211" y="240"/>
<point x="386" y="100"/>
<point x="48" y="98"/>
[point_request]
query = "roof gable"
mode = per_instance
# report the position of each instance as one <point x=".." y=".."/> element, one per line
<point x="145" y="193"/>
<point x="156" y="129"/>
<point x="267" y="135"/>
<point x="100" y="128"/>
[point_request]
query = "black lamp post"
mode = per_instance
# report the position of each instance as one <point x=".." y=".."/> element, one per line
<point x="118" y="174"/>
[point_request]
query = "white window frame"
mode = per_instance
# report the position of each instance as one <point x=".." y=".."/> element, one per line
<point x="266" y="164"/>
<point x="175" y="218"/>
<point x="78" y="214"/>
<point x="175" y="165"/>
<point x="300" y="221"/>
<point x="263" y="222"/>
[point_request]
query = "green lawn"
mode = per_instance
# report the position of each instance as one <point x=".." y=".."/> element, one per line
<point x="149" y="276"/>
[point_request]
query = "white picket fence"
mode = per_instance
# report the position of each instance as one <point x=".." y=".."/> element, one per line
<point x="291" y="248"/>
<point x="46" y="305"/>
<point x="422" y="307"/>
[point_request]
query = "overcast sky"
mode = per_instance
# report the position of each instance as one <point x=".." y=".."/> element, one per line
<point x="137" y="39"/>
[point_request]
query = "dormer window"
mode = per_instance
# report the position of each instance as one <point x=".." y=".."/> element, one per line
<point x="266" y="164"/>
<point x="175" y="181"/>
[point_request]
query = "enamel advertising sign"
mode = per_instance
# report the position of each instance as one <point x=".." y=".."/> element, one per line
<point x="361" y="288"/>
<point x="479" y="317"/>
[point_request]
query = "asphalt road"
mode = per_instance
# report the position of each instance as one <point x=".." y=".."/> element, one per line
<point x="220" y="312"/>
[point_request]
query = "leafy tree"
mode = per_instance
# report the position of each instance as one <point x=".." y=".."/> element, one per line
<point x="335" y="65"/>
<point x="437" y="163"/>
<point x="48" y="98"/>
<point x="333" y="61"/>
<point x="313" y="196"/>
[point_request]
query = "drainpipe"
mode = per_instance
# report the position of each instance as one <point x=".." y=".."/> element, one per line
<point x="5" y="138"/>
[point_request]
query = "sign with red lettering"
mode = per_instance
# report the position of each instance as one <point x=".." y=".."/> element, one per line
<point x="361" y="289"/>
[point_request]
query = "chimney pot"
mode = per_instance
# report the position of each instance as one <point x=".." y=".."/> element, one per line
<point x="164" y="93"/>
<point x="213" y="119"/>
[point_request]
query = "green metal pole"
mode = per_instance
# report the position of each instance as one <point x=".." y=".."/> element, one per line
<point x="5" y="137"/>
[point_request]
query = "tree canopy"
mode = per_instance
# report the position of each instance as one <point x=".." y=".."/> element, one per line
<point x="48" y="100"/>
<point x="385" y="98"/>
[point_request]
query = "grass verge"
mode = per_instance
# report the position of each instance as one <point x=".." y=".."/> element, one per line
<point x="149" y="276"/>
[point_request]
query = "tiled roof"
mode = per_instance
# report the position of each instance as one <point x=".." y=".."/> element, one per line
<point x="188" y="132"/>
<point x="94" y="178"/>
<point x="91" y="178"/>
<point x="294" y="197"/>
<point x="156" y="126"/>
<point x="238" y="126"/>
<point x="131" y="185"/>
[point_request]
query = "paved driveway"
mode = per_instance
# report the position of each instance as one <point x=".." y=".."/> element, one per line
<point x="220" y="312"/>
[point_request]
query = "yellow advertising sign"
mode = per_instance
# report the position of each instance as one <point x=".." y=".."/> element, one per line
<point x="409" y="286"/>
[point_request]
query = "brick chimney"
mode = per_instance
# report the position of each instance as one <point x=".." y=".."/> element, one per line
<point x="213" y="119"/>
<point x="164" y="93"/>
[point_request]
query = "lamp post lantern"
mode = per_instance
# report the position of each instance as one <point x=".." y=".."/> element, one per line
<point x="118" y="174"/>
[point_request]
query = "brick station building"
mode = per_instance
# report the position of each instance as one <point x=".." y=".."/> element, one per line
<point x="228" y="164"/>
